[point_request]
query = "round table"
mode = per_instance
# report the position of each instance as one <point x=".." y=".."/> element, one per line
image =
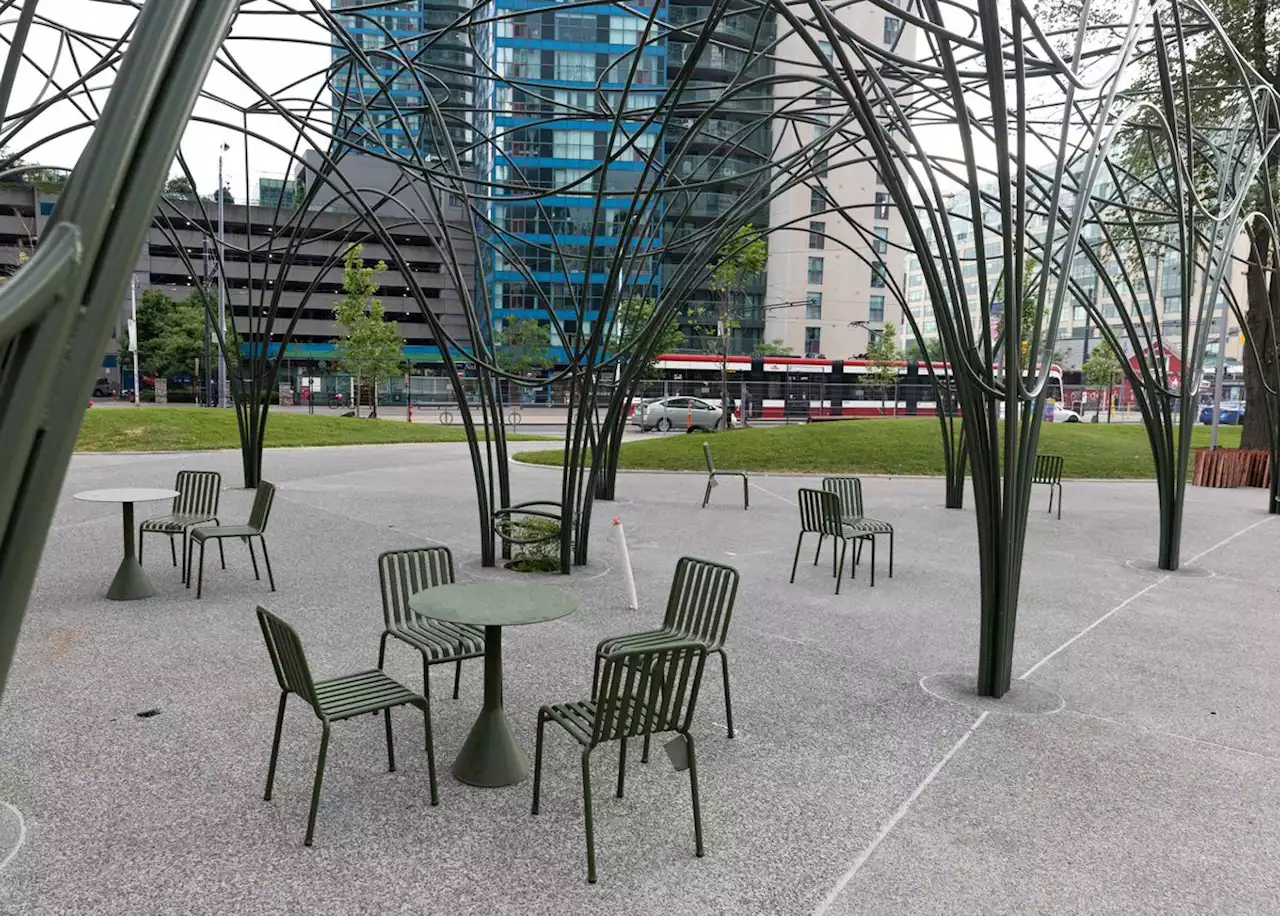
<point x="490" y="755"/>
<point x="130" y="581"/>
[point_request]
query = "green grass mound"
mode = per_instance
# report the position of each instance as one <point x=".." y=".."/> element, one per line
<point x="888" y="446"/>
<point x="180" y="429"/>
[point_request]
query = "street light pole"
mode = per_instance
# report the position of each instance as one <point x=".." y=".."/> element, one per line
<point x="133" y="337"/>
<point x="1218" y="373"/>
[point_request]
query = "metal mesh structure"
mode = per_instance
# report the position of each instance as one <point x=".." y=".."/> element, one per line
<point x="568" y="158"/>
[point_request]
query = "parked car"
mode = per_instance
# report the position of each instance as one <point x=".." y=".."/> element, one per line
<point x="1064" y="415"/>
<point x="1229" y="412"/>
<point x="679" y="413"/>
<point x="102" y="388"/>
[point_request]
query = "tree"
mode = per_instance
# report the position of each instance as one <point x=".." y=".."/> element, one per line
<point x="170" y="334"/>
<point x="884" y="354"/>
<point x="741" y="259"/>
<point x="371" y="347"/>
<point x="933" y="351"/>
<point x="634" y="315"/>
<point x="1028" y="317"/>
<point x="1101" y="370"/>
<point x="773" y="347"/>
<point x="179" y="186"/>
<point x="225" y="192"/>
<point x="522" y="346"/>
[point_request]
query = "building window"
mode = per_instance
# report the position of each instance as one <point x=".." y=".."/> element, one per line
<point x="881" y="243"/>
<point x="812" y="341"/>
<point x="817" y="201"/>
<point x="892" y="28"/>
<point x="813" y="306"/>
<point x="878" y="276"/>
<point x="573" y="144"/>
<point x="577" y="27"/>
<point x="625" y="30"/>
<point x="882" y="205"/>
<point x="575" y="66"/>
<point x="873" y="336"/>
<point x="815" y="271"/>
<point x="817" y="235"/>
<point x="876" y="310"/>
<point x="822" y="165"/>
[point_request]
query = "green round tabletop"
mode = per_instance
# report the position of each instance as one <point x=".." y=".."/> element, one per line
<point x="493" y="604"/>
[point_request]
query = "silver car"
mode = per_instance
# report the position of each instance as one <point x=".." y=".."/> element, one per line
<point x="678" y="413"/>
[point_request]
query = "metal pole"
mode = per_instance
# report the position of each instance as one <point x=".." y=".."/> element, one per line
<point x="206" y="372"/>
<point x="1218" y="373"/>
<point x="222" y="298"/>
<point x="133" y="342"/>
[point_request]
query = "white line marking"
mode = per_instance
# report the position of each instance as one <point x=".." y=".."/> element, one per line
<point x="789" y="502"/>
<point x="1161" y="581"/>
<point x="22" y="835"/>
<point x="887" y="827"/>
<point x="1158" y="731"/>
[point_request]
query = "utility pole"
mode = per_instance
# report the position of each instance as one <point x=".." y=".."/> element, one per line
<point x="222" y="286"/>
<point x="133" y="337"/>
<point x="1218" y="373"/>
<point x="206" y="379"/>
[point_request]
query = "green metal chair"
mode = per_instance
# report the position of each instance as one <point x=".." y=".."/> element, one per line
<point x="333" y="700"/>
<point x="849" y="489"/>
<point x="195" y="504"/>
<point x="699" y="607"/>
<point x="256" y="528"/>
<point x="1048" y="470"/>
<point x="643" y="692"/>
<point x="820" y="515"/>
<point x="401" y="573"/>
<point x="711" y="479"/>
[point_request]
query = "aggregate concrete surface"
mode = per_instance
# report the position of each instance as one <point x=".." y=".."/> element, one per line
<point x="1154" y="788"/>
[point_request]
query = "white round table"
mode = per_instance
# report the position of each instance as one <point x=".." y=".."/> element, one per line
<point x="130" y="581"/>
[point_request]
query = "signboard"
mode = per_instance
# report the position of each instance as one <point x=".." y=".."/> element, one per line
<point x="162" y="391"/>
<point x="286" y="395"/>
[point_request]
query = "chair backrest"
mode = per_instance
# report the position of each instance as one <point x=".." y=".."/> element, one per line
<point x="701" y="600"/>
<point x="401" y="573"/>
<point x="198" y="493"/>
<point x="1048" y="469"/>
<point x="287" y="657"/>
<point x="819" y="511"/>
<point x="650" y="690"/>
<point x="706" y="450"/>
<point x="849" y="490"/>
<point x="261" y="510"/>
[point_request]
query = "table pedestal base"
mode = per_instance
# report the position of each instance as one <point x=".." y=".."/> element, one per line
<point x="130" y="583"/>
<point x="490" y="756"/>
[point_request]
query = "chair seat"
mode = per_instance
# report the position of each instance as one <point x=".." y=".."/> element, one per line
<point x="579" y="718"/>
<point x="439" y="639"/>
<point x="225" y="531"/>
<point x="356" y="694"/>
<point x="176" y="523"/>
<point x="864" y="525"/>
<point x="719" y="473"/>
<point x="650" y="639"/>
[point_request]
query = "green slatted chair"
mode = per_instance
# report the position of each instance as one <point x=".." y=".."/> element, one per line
<point x="1048" y="470"/>
<point x="642" y="692"/>
<point x="849" y="489"/>
<point x="333" y="700"/>
<point x="195" y="504"/>
<point x="820" y="515"/>
<point x="401" y="573"/>
<point x="711" y="479"/>
<point x="699" y="607"/>
<point x="259" y="515"/>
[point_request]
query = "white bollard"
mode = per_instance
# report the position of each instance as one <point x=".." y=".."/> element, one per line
<point x="632" y="602"/>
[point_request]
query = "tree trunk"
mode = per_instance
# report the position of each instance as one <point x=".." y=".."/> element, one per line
<point x="1260" y="318"/>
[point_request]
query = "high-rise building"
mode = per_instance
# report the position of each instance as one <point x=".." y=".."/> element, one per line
<point x="827" y="278"/>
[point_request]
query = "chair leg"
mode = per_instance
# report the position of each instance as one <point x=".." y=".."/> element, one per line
<point x="253" y="558"/>
<point x="833" y="556"/>
<point x="818" y="553"/>
<point x="275" y="745"/>
<point x="644" y="755"/>
<point x="141" y="537"/>
<point x="537" y="762"/>
<point x="622" y="765"/>
<point x="707" y="495"/>
<point x="746" y="499"/>
<point x="426" y="685"/>
<point x="222" y="554"/>
<point x="431" y="753"/>
<point x="799" y="540"/>
<point x="315" y="790"/>
<point x="391" y="745"/>
<point x="873" y="561"/>
<point x="693" y="791"/>
<point x="200" y="574"/>
<point x="382" y="649"/>
<point x="1059" y="501"/>
<point x="266" y="558"/>
<point x="1050" y="509"/>
<point x="186" y="579"/>
<point x="728" y="700"/>
<point x="173" y="551"/>
<point x="844" y="545"/>
<point x="586" y="813"/>
<point x="890" y="553"/>
<point x="457" y="677"/>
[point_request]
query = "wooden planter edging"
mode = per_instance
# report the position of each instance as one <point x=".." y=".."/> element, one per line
<point x="1231" y="467"/>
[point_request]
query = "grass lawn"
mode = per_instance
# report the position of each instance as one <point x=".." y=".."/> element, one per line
<point x="889" y="446"/>
<point x="174" y="429"/>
